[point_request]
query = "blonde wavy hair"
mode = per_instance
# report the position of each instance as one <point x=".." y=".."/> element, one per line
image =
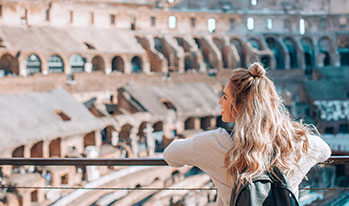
<point x="264" y="134"/>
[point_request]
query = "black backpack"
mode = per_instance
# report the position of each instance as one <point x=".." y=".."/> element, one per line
<point x="265" y="190"/>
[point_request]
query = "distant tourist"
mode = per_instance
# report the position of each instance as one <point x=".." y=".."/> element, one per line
<point x="264" y="137"/>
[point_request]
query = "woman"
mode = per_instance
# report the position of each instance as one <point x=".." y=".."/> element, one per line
<point x="264" y="136"/>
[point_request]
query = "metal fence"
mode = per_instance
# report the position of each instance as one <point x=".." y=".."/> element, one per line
<point x="333" y="160"/>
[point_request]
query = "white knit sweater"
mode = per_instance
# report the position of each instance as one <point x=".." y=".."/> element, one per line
<point x="206" y="151"/>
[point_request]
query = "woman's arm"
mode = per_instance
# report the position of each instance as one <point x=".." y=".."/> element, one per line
<point x="203" y="150"/>
<point x="180" y="152"/>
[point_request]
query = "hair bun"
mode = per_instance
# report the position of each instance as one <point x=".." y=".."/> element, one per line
<point x="256" y="70"/>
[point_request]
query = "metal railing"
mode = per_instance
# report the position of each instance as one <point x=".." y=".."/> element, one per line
<point x="333" y="160"/>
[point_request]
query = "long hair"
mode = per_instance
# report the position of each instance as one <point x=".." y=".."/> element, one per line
<point x="264" y="135"/>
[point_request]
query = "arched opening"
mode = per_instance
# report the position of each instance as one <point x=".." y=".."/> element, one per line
<point x="276" y="48"/>
<point x="224" y="52"/>
<point x="142" y="139"/>
<point x="37" y="150"/>
<point x="343" y="49"/>
<point x="308" y="54"/>
<point x="90" y="139"/>
<point x="158" y="136"/>
<point x="240" y="49"/>
<point x="292" y="52"/>
<point x="98" y="64"/>
<point x="265" y="60"/>
<point x="206" y="53"/>
<point x="161" y="47"/>
<point x="8" y="65"/>
<point x="117" y="64"/>
<point x="55" y="64"/>
<point x="77" y="63"/>
<point x="34" y="196"/>
<point x="124" y="134"/>
<point x="255" y="43"/>
<point x="190" y="63"/>
<point x="33" y="64"/>
<point x="18" y="152"/>
<point x="136" y="64"/>
<point x="325" y="50"/>
<point x="55" y="148"/>
<point x="106" y="135"/>
<point x="211" y="25"/>
<point x="205" y="123"/>
<point x="172" y="22"/>
<point x="250" y="23"/>
<point x="189" y="123"/>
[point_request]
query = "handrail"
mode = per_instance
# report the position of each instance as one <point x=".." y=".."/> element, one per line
<point x="333" y="160"/>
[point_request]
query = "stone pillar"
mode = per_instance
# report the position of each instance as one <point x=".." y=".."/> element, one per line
<point x="108" y="68"/>
<point x="55" y="179"/>
<point x="26" y="197"/>
<point x="150" y="140"/>
<point x="180" y="126"/>
<point x="127" y="66"/>
<point x="92" y="172"/>
<point x="114" y="138"/>
<point x="22" y="67"/>
<point x="45" y="149"/>
<point x="98" y="138"/>
<point x="88" y="67"/>
<point x="134" y="143"/>
<point x="213" y="122"/>
<point x="196" y="123"/>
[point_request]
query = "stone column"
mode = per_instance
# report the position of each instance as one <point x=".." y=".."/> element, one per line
<point x="150" y="139"/>
<point x="134" y="143"/>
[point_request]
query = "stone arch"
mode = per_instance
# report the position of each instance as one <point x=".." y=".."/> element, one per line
<point x="18" y="152"/>
<point x="256" y="43"/>
<point x="266" y="61"/>
<point x="279" y="54"/>
<point x="292" y="52"/>
<point x="165" y="49"/>
<point x="55" y="148"/>
<point x="142" y="138"/>
<point x="189" y="123"/>
<point x="226" y="55"/>
<point x="55" y="64"/>
<point x="136" y="64"/>
<point x="343" y="51"/>
<point x="77" y="63"/>
<point x="190" y="62"/>
<point x="325" y="50"/>
<point x="8" y="65"/>
<point x="309" y="56"/>
<point x="117" y="64"/>
<point x="33" y="64"/>
<point x="157" y="63"/>
<point x="205" y="123"/>
<point x="158" y="136"/>
<point x="98" y="63"/>
<point x="37" y="150"/>
<point x="239" y="45"/>
<point x="125" y="133"/>
<point x="207" y="54"/>
<point x="106" y="135"/>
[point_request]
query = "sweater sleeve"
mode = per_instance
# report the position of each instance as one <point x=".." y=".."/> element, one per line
<point x="323" y="151"/>
<point x="179" y="152"/>
<point x="200" y="150"/>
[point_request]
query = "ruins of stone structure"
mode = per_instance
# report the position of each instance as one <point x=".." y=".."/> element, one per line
<point x="149" y="71"/>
